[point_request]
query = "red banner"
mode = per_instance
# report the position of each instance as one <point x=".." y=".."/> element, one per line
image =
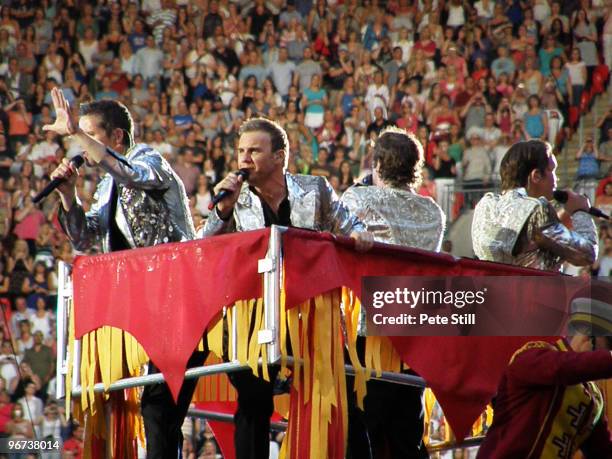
<point x="463" y="372"/>
<point x="165" y="296"/>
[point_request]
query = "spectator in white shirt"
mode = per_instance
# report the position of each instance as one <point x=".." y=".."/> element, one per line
<point x="377" y="95"/>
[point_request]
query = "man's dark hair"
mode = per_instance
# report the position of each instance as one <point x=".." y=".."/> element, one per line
<point x="278" y="136"/>
<point x="113" y="115"/>
<point x="520" y="160"/>
<point x="398" y="155"/>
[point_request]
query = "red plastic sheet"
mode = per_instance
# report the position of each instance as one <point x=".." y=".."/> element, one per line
<point x="165" y="296"/>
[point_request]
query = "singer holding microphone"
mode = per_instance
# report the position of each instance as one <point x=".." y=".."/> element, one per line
<point x="546" y="404"/>
<point x="521" y="227"/>
<point x="260" y="195"/>
<point x="139" y="202"/>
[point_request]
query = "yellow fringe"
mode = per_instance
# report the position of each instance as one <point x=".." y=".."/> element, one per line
<point x="107" y="355"/>
<point x="318" y="350"/>
<point x="214" y="388"/>
<point x="254" y="346"/>
<point x="214" y="338"/>
<point x="380" y="355"/>
<point x="352" y="311"/>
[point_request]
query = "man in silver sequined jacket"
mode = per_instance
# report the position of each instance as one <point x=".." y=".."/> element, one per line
<point x="395" y="214"/>
<point x="140" y="202"/>
<point x="521" y="227"/>
<point x="534" y="412"/>
<point x="271" y="196"/>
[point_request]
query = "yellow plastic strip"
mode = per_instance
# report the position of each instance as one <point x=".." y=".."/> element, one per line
<point x="215" y="338"/>
<point x="84" y="372"/>
<point x="283" y="331"/>
<point x="352" y="322"/>
<point x="116" y="357"/>
<point x="242" y="312"/>
<point x="91" y="372"/>
<point x="254" y="346"/>
<point x="127" y="343"/>
<point x="101" y="337"/>
<point x="293" y="325"/>
<point x="305" y="313"/>
<point x="230" y="341"/>
<point x="315" y="438"/>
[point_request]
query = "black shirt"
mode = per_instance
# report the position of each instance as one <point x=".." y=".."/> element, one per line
<point x="117" y="239"/>
<point x="445" y="170"/>
<point x="375" y="127"/>
<point x="283" y="218"/>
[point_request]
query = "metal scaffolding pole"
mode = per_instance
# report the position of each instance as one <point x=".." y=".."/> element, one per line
<point x="230" y="367"/>
<point x="158" y="378"/>
<point x="224" y="417"/>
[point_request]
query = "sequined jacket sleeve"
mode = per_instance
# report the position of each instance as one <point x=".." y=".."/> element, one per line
<point x="579" y="247"/>
<point x="83" y="229"/>
<point x="335" y="214"/>
<point x="215" y="225"/>
<point x="144" y="169"/>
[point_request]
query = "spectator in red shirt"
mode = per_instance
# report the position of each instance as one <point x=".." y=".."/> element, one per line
<point x="74" y="444"/>
<point x="6" y="408"/>
<point x="426" y="44"/>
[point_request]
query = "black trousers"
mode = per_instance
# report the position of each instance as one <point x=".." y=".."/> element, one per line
<point x="391" y="424"/>
<point x="162" y="417"/>
<point x="252" y="418"/>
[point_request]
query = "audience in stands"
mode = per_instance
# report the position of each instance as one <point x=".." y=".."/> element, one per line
<point x="467" y="77"/>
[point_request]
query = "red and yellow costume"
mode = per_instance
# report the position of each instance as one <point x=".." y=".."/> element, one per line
<point x="547" y="406"/>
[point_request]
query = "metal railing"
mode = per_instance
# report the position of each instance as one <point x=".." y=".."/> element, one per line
<point x="457" y="198"/>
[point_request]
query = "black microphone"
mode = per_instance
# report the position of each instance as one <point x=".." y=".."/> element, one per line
<point x="244" y="173"/>
<point x="562" y="197"/>
<point x="77" y="162"/>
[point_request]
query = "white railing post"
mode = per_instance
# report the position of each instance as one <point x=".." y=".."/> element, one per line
<point x="64" y="299"/>
<point x="271" y="267"/>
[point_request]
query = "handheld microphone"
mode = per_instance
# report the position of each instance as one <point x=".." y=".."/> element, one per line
<point x="77" y="162"/>
<point x="562" y="197"/>
<point x="244" y="173"/>
<point x="368" y="180"/>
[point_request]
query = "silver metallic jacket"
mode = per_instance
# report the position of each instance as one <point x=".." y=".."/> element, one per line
<point x="524" y="231"/>
<point x="313" y="203"/>
<point x="152" y="206"/>
<point x="398" y="216"/>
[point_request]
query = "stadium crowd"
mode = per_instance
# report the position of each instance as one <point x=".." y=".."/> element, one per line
<point x="468" y="78"/>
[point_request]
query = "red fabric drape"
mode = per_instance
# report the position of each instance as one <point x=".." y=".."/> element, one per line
<point x="463" y="372"/>
<point x="165" y="296"/>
